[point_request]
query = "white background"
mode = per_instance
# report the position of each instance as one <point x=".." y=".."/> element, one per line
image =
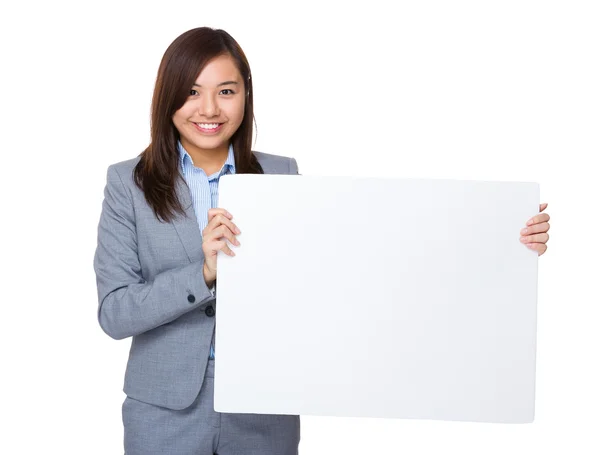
<point x="504" y="90"/>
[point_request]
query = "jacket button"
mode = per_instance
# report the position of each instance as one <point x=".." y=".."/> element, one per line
<point x="191" y="298"/>
<point x="210" y="311"/>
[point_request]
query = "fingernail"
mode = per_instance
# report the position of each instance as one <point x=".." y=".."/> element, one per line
<point x="530" y="245"/>
<point x="523" y="239"/>
<point x="530" y="222"/>
<point x="524" y="231"/>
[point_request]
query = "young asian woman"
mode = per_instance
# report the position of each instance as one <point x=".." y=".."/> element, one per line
<point x="156" y="259"/>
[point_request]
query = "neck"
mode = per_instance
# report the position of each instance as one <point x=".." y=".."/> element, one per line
<point x="210" y="161"/>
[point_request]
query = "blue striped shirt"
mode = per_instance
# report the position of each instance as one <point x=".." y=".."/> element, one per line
<point x="204" y="189"/>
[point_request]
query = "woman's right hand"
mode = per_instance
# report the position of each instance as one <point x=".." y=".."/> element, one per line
<point x="219" y="229"/>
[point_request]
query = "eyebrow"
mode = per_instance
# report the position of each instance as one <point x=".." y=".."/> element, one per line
<point x="222" y="83"/>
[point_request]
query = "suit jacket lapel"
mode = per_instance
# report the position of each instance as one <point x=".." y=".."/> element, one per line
<point x="187" y="227"/>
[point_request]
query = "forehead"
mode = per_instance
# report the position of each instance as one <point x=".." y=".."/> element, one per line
<point x="217" y="70"/>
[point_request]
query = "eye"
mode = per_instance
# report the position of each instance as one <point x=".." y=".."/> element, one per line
<point x="193" y="92"/>
<point x="231" y="92"/>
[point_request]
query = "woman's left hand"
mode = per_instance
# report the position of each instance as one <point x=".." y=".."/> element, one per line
<point x="534" y="234"/>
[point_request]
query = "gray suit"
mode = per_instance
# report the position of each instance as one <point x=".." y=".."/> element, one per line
<point x="151" y="287"/>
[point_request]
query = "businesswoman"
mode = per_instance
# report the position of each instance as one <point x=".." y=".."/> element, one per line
<point x="156" y="260"/>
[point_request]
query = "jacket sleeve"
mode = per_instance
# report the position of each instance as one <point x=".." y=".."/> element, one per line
<point x="128" y="303"/>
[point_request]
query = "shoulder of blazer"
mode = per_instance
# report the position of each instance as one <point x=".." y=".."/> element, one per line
<point x="276" y="164"/>
<point x="269" y="162"/>
<point x="269" y="157"/>
<point x="125" y="169"/>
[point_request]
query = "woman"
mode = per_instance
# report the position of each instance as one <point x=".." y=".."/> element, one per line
<point x="156" y="260"/>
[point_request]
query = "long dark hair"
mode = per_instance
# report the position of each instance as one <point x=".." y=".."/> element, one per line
<point x="158" y="169"/>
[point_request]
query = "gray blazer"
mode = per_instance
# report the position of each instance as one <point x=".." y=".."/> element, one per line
<point x="151" y="287"/>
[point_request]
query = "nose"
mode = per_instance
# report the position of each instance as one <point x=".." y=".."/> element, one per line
<point x="208" y="107"/>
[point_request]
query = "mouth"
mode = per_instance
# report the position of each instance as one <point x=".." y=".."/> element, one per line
<point x="208" y="128"/>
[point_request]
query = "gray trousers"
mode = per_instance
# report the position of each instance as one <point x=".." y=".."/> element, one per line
<point x="199" y="430"/>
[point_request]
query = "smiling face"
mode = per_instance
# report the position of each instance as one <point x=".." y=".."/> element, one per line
<point x="213" y="111"/>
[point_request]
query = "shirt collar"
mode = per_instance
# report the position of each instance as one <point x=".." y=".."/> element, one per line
<point x="185" y="160"/>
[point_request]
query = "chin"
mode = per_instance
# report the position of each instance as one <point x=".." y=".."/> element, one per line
<point x="210" y="145"/>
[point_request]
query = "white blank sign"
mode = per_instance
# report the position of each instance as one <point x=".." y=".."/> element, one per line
<point x="368" y="297"/>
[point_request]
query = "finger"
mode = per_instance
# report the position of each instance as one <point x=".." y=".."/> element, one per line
<point x="538" y="219"/>
<point x="220" y="232"/>
<point x="225" y="249"/>
<point x="218" y="211"/>
<point x="538" y="238"/>
<point x="224" y="232"/>
<point x="536" y="228"/>
<point x="219" y="245"/>
<point x="216" y="220"/>
<point x="219" y="220"/>
<point x="539" y="247"/>
<point x="543" y="206"/>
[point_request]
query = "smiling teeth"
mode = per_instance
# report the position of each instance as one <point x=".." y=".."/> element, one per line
<point x="208" y="126"/>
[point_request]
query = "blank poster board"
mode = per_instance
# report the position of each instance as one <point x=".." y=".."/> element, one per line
<point x="373" y="297"/>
